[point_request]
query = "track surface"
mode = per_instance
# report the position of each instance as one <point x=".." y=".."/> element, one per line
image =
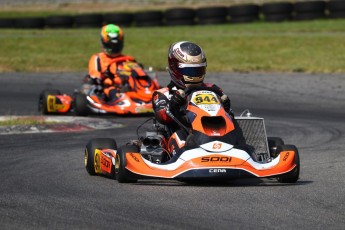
<point x="44" y="183"/>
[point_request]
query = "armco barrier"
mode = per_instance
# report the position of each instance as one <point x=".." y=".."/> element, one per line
<point x="240" y="13"/>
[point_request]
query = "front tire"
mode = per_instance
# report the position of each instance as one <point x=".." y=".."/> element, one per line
<point x="292" y="176"/>
<point x="89" y="155"/>
<point x="43" y="100"/>
<point x="122" y="174"/>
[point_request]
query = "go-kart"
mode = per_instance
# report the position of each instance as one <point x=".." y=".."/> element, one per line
<point x="134" y="95"/>
<point x="211" y="151"/>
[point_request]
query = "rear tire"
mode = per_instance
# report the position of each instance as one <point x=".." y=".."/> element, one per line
<point x="89" y="155"/>
<point x="122" y="174"/>
<point x="292" y="176"/>
<point x="43" y="100"/>
<point x="80" y="105"/>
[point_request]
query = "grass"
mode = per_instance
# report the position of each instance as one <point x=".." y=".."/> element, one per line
<point x="23" y="121"/>
<point x="309" y="46"/>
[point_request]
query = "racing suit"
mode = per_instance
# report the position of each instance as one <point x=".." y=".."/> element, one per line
<point x="110" y="72"/>
<point x="164" y="98"/>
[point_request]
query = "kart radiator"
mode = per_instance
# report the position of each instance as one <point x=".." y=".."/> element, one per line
<point x="255" y="134"/>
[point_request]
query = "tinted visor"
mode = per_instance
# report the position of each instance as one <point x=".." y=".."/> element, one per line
<point x="113" y="47"/>
<point x="192" y="70"/>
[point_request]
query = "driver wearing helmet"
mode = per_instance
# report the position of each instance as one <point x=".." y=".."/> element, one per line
<point x="187" y="68"/>
<point x="104" y="67"/>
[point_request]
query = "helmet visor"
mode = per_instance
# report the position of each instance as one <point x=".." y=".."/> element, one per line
<point x="192" y="70"/>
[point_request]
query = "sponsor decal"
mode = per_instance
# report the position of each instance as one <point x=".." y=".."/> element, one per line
<point x="134" y="157"/>
<point x="217" y="145"/>
<point x="178" y="52"/>
<point x="217" y="170"/>
<point x="52" y="104"/>
<point x="286" y="156"/>
<point x="216" y="159"/>
<point x="202" y="99"/>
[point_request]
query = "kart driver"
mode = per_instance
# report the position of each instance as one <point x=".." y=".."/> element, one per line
<point x="187" y="69"/>
<point x="108" y="68"/>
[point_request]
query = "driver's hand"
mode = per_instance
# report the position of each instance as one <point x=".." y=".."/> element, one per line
<point x="108" y="74"/>
<point x="226" y="102"/>
<point x="178" y="98"/>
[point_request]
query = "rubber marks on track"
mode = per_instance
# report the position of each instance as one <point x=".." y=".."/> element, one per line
<point x="53" y="124"/>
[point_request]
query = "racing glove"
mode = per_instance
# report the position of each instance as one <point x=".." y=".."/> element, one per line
<point x="178" y="99"/>
<point x="226" y="103"/>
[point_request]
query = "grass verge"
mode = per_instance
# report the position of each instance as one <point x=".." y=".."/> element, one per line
<point x="309" y="46"/>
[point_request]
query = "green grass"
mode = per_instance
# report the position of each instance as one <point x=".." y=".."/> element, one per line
<point x="23" y="121"/>
<point x="310" y="46"/>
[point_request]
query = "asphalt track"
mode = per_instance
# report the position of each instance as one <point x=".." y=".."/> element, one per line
<point x="43" y="182"/>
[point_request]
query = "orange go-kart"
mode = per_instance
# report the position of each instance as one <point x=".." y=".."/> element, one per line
<point x="134" y="95"/>
<point x="210" y="152"/>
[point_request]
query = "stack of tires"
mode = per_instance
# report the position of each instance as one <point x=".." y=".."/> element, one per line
<point x="88" y="20"/>
<point x="277" y="12"/>
<point x="309" y="10"/>
<point x="179" y="16"/>
<point x="243" y="13"/>
<point x="59" y="21"/>
<point x="148" y="18"/>
<point x="121" y="19"/>
<point x="336" y="8"/>
<point x="211" y="15"/>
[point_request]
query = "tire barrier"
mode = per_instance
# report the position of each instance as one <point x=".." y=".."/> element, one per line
<point x="29" y="23"/>
<point x="309" y="10"/>
<point x="148" y="18"/>
<point x="336" y="8"/>
<point x="242" y="13"/>
<point x="179" y="16"/>
<point x="121" y="19"/>
<point x="211" y="15"/>
<point x="277" y="12"/>
<point x="88" y="20"/>
<point x="59" y="21"/>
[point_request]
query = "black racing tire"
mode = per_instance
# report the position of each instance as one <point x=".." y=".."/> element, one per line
<point x="244" y="10"/>
<point x="336" y="5"/>
<point x="80" y="105"/>
<point x="273" y="144"/>
<point x="88" y="20"/>
<point x="148" y="18"/>
<point x="121" y="19"/>
<point x="277" y="17"/>
<point x="179" y="16"/>
<point x="309" y="16"/>
<point x="337" y="14"/>
<point x="89" y="155"/>
<point x="211" y="21"/>
<point x="292" y="176"/>
<point x="59" y="21"/>
<point x="211" y="15"/>
<point x="182" y="22"/>
<point x="310" y="7"/>
<point x="43" y="100"/>
<point x="244" y="19"/>
<point x="212" y="12"/>
<point x="7" y="22"/>
<point x="29" y="23"/>
<point x="277" y="8"/>
<point x="122" y="174"/>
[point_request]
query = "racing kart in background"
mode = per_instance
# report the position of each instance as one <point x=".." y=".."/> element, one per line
<point x="134" y="97"/>
<point x="211" y="151"/>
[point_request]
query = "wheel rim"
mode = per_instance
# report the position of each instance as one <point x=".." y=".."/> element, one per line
<point x="117" y="163"/>
<point x="85" y="157"/>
